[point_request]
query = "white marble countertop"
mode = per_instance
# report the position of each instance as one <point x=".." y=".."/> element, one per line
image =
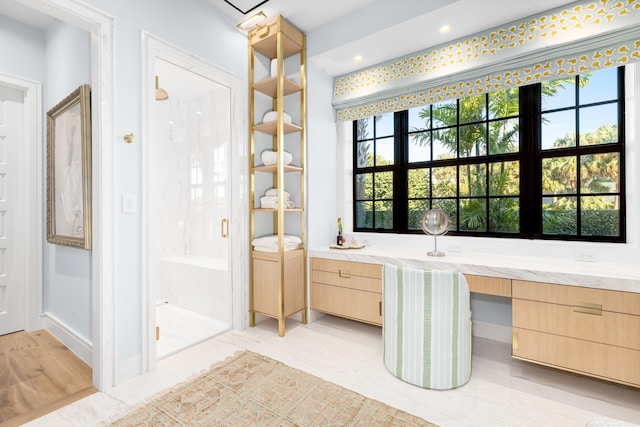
<point x="620" y="277"/>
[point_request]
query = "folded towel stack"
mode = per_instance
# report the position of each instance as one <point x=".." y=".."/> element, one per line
<point x="270" y="243"/>
<point x="270" y="200"/>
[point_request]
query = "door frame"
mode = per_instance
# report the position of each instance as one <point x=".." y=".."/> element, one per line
<point x="32" y="190"/>
<point x="101" y="27"/>
<point x="152" y="48"/>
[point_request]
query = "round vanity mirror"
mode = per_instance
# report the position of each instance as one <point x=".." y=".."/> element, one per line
<point x="436" y="223"/>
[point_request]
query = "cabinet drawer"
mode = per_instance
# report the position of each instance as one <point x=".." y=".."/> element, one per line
<point x="347" y="268"/>
<point x="353" y="282"/>
<point x="585" y="357"/>
<point x="622" y="330"/>
<point x="489" y="285"/>
<point x="350" y="303"/>
<point x="618" y="301"/>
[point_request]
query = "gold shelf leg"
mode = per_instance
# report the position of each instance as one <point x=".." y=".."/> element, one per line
<point x="281" y="327"/>
<point x="252" y="318"/>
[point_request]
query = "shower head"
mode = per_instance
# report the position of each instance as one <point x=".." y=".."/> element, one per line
<point x="161" y="94"/>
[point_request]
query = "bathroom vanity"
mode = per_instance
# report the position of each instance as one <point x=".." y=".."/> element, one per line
<point x="576" y="316"/>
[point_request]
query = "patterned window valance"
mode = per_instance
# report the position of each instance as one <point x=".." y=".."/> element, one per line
<point x="579" y="38"/>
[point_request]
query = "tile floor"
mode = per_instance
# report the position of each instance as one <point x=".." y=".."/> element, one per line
<point x="501" y="392"/>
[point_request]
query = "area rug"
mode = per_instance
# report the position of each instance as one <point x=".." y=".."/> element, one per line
<point x="249" y="389"/>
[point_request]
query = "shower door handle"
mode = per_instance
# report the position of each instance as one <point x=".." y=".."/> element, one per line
<point x="224" y="228"/>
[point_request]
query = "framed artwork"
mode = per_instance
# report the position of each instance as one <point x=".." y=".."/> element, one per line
<point x="69" y="170"/>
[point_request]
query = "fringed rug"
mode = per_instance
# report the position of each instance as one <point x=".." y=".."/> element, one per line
<point x="249" y="389"/>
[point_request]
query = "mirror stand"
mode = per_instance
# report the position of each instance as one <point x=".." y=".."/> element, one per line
<point x="435" y="251"/>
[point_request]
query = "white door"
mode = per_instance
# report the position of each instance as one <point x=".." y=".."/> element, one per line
<point x="12" y="215"/>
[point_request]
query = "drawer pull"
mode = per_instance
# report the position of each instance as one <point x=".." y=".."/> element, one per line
<point x="345" y="274"/>
<point x="515" y="341"/>
<point x="588" y="308"/>
<point x="380" y="307"/>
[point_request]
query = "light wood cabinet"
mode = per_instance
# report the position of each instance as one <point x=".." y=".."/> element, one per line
<point x="347" y="289"/>
<point x="277" y="279"/>
<point x="595" y="332"/>
<point x="489" y="285"/>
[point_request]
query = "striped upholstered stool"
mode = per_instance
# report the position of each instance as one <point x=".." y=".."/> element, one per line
<point x="426" y="327"/>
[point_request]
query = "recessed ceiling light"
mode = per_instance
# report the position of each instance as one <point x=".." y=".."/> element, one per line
<point x="445" y="29"/>
<point x="357" y="58"/>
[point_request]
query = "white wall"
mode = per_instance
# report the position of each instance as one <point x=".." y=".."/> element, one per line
<point x="67" y="271"/>
<point x="23" y="50"/>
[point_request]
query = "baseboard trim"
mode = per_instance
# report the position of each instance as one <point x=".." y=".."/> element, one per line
<point x="74" y="342"/>
<point x="492" y="331"/>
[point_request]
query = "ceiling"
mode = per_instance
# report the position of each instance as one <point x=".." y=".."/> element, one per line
<point x="375" y="30"/>
<point x="379" y="30"/>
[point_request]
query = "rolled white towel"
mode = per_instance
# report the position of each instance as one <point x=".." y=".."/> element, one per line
<point x="270" y="157"/>
<point x="272" y="116"/>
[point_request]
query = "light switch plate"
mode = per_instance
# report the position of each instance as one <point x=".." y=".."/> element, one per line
<point x="128" y="203"/>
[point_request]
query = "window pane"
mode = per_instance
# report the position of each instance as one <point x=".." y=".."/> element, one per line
<point x="601" y="86"/>
<point x="416" y="209"/>
<point x="473" y="215"/>
<point x="384" y="152"/>
<point x="504" y="178"/>
<point x="444" y="182"/>
<point x="384" y="125"/>
<point x="473" y="180"/>
<point x="504" y="136"/>
<point x="364" y="128"/>
<point x="383" y="185"/>
<point x="419" y="147"/>
<point x="599" y="173"/>
<point x="418" y="183"/>
<point x="504" y="215"/>
<point x="364" y="186"/>
<point x="473" y="140"/>
<point x="364" y="214"/>
<point x="419" y="118"/>
<point x="503" y="103"/>
<point x="559" y="215"/>
<point x="600" y="215"/>
<point x="560" y="93"/>
<point x="364" y="154"/>
<point x="384" y="214"/>
<point x="559" y="175"/>
<point x="445" y="114"/>
<point x="445" y="144"/>
<point x="473" y="109"/>
<point x="558" y="130"/>
<point x="450" y="206"/>
<point x="598" y="125"/>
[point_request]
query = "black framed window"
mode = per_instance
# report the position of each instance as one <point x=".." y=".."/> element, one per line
<point x="540" y="161"/>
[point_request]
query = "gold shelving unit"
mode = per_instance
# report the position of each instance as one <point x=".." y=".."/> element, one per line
<point x="277" y="279"/>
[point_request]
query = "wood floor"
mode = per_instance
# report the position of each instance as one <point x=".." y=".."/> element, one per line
<point x="38" y="374"/>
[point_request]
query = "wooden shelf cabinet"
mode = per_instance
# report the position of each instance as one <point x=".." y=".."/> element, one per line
<point x="277" y="279"/>
<point x="594" y="332"/>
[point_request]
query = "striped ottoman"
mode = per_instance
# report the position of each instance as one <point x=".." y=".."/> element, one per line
<point x="426" y="326"/>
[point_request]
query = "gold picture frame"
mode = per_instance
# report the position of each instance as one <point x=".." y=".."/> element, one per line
<point x="69" y="170"/>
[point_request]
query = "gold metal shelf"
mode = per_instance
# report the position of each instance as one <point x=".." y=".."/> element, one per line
<point x="271" y="128"/>
<point x="273" y="168"/>
<point x="276" y="210"/>
<point x="270" y="86"/>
